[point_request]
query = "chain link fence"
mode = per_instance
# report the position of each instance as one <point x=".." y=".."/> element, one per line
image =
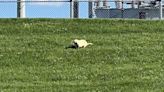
<point x="135" y="9"/>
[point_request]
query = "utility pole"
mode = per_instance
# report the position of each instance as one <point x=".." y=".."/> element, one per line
<point x="21" y="9"/>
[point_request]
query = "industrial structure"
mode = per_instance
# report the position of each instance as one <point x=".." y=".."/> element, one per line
<point x="145" y="9"/>
<point x="139" y="9"/>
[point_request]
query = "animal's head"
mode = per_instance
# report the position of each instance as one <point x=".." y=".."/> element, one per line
<point x="75" y="41"/>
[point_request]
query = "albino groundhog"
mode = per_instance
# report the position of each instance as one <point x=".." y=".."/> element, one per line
<point x="79" y="44"/>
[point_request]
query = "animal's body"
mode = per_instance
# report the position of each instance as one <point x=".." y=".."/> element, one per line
<point x="81" y="43"/>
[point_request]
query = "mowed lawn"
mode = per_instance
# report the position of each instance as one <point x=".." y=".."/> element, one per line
<point x="127" y="55"/>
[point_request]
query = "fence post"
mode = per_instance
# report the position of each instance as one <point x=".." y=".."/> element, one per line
<point x="71" y="9"/>
<point x="90" y="9"/>
<point x="161" y="9"/>
<point x="21" y="9"/>
<point x="74" y="9"/>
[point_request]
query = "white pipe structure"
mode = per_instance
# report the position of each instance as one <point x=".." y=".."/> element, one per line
<point x="105" y="3"/>
<point x="101" y="3"/>
<point x="135" y="3"/>
<point x="21" y="9"/>
<point x="119" y="4"/>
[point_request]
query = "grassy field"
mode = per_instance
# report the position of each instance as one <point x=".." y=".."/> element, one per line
<point x="127" y="55"/>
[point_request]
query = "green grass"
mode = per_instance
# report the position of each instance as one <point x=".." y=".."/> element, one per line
<point x="127" y="55"/>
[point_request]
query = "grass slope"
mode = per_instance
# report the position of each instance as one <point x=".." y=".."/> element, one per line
<point x="127" y="55"/>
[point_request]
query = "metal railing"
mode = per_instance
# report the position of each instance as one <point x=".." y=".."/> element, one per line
<point x="136" y="9"/>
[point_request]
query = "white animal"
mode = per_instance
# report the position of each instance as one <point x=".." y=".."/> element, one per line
<point x="80" y="43"/>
